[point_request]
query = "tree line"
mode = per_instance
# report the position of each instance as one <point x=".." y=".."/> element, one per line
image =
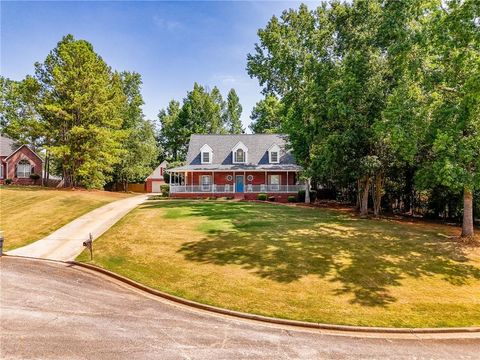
<point x="202" y="111"/>
<point x="85" y="117"/>
<point x="380" y="100"/>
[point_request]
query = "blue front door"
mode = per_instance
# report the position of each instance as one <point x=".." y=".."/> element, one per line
<point x="239" y="183"/>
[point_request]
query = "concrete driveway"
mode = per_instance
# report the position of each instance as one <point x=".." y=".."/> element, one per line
<point x="56" y="311"/>
<point x="67" y="242"/>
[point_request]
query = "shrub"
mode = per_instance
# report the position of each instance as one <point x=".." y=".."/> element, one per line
<point x="262" y="197"/>
<point x="271" y="198"/>
<point x="155" y="197"/>
<point x="34" y="176"/>
<point x="8" y="181"/>
<point x="301" y="196"/>
<point x="165" y="189"/>
<point x="292" y="198"/>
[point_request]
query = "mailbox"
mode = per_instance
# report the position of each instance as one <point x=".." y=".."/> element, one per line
<point x="88" y="244"/>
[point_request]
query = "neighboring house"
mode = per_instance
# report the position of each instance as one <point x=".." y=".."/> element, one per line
<point x="155" y="179"/>
<point x="241" y="166"/>
<point x="18" y="163"/>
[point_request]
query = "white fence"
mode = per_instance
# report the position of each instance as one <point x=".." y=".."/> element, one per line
<point x="248" y="188"/>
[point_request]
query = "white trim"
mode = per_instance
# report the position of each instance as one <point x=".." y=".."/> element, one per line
<point x="279" y="180"/>
<point x="26" y="164"/>
<point x="206" y="186"/>
<point x="274" y="148"/>
<point x="240" y="145"/>
<point x="34" y="153"/>
<point x="205" y="149"/>
<point x="243" y="182"/>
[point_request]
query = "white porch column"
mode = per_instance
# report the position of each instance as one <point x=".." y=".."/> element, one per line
<point x="185" y="180"/>
<point x="213" y="181"/>
<point x="287" y="181"/>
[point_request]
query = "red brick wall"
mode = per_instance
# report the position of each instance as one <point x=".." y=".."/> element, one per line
<point x="24" y="153"/>
<point x="200" y="196"/>
<point x="279" y="197"/>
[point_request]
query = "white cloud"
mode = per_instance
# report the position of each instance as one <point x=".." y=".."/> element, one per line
<point x="229" y="79"/>
<point x="166" y="24"/>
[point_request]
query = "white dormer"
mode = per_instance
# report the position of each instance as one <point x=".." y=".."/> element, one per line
<point x="206" y="154"/>
<point x="240" y="153"/>
<point x="274" y="154"/>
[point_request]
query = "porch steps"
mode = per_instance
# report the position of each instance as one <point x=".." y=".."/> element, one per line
<point x="239" y="196"/>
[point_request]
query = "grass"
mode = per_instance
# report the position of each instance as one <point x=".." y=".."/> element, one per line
<point x="28" y="213"/>
<point x="299" y="263"/>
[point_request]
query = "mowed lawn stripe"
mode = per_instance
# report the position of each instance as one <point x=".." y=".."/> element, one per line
<point x="298" y="263"/>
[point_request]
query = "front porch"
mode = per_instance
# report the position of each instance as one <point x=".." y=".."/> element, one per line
<point x="239" y="184"/>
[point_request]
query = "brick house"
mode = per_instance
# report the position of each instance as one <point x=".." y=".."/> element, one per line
<point x="240" y="166"/>
<point x="19" y="163"/>
<point x="155" y="179"/>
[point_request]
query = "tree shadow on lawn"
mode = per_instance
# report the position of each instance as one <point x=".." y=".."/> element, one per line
<point x="285" y="244"/>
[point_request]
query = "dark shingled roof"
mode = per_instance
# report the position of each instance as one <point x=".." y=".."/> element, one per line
<point x="222" y="145"/>
<point x="7" y="146"/>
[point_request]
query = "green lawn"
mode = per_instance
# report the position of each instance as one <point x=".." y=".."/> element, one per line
<point x="298" y="263"/>
<point x="29" y="213"/>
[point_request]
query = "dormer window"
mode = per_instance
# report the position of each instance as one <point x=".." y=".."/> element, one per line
<point x="240" y="153"/>
<point x="206" y="157"/>
<point x="274" y="154"/>
<point x="206" y="153"/>
<point x="239" y="156"/>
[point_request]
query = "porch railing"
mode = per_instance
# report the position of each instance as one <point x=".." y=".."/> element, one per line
<point x="248" y="188"/>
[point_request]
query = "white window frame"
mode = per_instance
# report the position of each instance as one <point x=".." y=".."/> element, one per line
<point x="25" y="164"/>
<point x="242" y="146"/>
<point x="208" y="161"/>
<point x="206" y="185"/>
<point x="1" y="170"/>
<point x="272" y="186"/>
<point x="206" y="149"/>
<point x="235" y="154"/>
<point x="274" y="149"/>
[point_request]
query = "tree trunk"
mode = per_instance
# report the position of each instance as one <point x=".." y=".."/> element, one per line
<point x="365" y="192"/>
<point x="48" y="170"/>
<point x="377" y="195"/>
<point x="307" y="192"/>
<point x="359" y="195"/>
<point x="467" y="225"/>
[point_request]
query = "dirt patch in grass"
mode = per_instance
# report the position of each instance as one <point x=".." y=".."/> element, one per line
<point x="299" y="263"/>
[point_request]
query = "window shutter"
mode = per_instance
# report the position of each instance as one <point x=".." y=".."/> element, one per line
<point x="33" y="170"/>
<point x="16" y="173"/>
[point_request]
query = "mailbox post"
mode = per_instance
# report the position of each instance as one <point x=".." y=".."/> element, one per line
<point x="89" y="245"/>
<point x="1" y="243"/>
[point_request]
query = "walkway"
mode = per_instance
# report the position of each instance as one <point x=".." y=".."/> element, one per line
<point x="67" y="242"/>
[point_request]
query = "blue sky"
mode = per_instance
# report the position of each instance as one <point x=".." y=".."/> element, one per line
<point x="171" y="44"/>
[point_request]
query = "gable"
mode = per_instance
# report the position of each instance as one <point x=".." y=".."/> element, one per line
<point x="26" y="152"/>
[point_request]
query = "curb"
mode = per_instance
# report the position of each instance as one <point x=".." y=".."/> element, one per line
<point x="272" y="320"/>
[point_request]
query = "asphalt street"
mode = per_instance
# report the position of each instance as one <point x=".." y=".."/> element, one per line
<point x="53" y="310"/>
